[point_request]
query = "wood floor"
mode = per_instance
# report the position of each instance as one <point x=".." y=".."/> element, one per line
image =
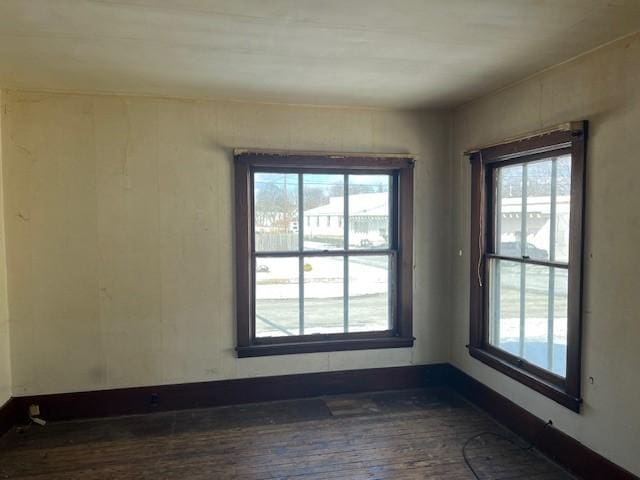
<point x="399" y="435"/>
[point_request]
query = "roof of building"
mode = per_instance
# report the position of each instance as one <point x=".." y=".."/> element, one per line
<point x="369" y="204"/>
<point x="540" y="205"/>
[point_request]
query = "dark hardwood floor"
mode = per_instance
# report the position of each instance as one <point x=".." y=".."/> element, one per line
<point x="400" y="435"/>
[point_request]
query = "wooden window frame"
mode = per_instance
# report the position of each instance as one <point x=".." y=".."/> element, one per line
<point x="564" y="390"/>
<point x="400" y="167"/>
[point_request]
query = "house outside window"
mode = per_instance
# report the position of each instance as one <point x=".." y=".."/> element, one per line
<point x="329" y="285"/>
<point x="526" y="260"/>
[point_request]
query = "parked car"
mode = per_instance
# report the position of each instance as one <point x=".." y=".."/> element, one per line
<point x="263" y="269"/>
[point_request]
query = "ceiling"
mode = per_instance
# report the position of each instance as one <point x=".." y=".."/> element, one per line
<point x="378" y="53"/>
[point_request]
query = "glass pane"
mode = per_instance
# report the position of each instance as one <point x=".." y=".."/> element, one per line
<point x="323" y="203"/>
<point x="536" y="315"/>
<point x="504" y="313"/>
<point x="543" y="339"/>
<point x="559" y="321"/>
<point x="276" y="211"/>
<point x="323" y="295"/>
<point x="369" y="293"/>
<point x="369" y="211"/>
<point x="277" y="297"/>
<point x="539" y="180"/>
<point x="563" y="202"/>
<point x="508" y="215"/>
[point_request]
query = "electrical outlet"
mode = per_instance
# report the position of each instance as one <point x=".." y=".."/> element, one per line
<point x="34" y="410"/>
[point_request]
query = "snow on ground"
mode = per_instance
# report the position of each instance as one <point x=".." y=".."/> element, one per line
<point x="535" y="329"/>
<point x="324" y="278"/>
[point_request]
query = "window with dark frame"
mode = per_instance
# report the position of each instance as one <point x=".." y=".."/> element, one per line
<point x="307" y="286"/>
<point x="526" y="260"/>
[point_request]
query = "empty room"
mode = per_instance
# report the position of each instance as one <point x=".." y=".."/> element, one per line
<point x="309" y="240"/>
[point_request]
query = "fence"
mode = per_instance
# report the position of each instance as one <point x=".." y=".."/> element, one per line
<point x="276" y="241"/>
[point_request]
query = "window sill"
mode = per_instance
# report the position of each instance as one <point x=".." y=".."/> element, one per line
<point x="324" y="346"/>
<point x="526" y="378"/>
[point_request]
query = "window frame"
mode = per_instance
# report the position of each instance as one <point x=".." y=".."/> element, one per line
<point x="400" y="167"/>
<point x="570" y="139"/>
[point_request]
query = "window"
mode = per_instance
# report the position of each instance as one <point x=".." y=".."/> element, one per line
<point x="526" y="260"/>
<point x="325" y="286"/>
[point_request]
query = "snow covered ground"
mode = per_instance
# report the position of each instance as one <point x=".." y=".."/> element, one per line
<point x="277" y="293"/>
<point x="535" y="347"/>
<point x="323" y="277"/>
<point x="277" y="303"/>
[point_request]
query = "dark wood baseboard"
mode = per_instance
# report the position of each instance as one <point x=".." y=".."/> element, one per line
<point x="559" y="446"/>
<point x="8" y="415"/>
<point x="564" y="449"/>
<point x="126" y="401"/>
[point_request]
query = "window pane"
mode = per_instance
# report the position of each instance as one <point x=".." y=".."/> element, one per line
<point x="369" y="293"/>
<point x="508" y="215"/>
<point x="536" y="330"/>
<point x="277" y="297"/>
<point x="559" y="321"/>
<point x="369" y="211"/>
<point x="539" y="200"/>
<point x="563" y="202"/>
<point x="323" y="295"/>
<point x="323" y="203"/>
<point x="504" y="315"/>
<point x="276" y="211"/>
<point x="536" y="309"/>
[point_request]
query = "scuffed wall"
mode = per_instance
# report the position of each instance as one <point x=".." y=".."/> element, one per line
<point x="120" y="246"/>
<point x="602" y="87"/>
<point x="5" y="360"/>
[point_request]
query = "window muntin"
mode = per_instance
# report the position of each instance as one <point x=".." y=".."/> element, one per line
<point x="381" y="267"/>
<point x="515" y="186"/>
<point x="528" y="296"/>
<point x="303" y="291"/>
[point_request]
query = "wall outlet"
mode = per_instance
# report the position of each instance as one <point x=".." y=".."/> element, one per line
<point x="34" y="410"/>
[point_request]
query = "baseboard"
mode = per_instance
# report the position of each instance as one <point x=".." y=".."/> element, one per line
<point x="126" y="401"/>
<point x="559" y="446"/>
<point x="564" y="449"/>
<point x="8" y="415"/>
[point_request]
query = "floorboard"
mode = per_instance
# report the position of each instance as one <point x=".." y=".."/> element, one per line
<point x="399" y="435"/>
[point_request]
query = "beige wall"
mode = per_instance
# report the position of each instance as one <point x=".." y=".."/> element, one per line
<point x="120" y="247"/>
<point x="603" y="87"/>
<point x="5" y="360"/>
